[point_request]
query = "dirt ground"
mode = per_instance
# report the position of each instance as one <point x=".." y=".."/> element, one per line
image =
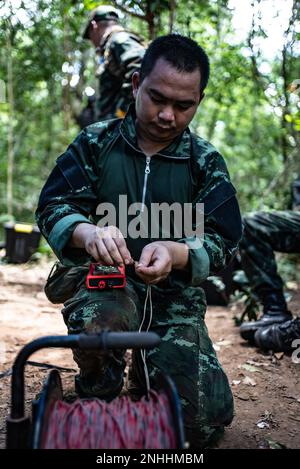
<point x="266" y="387"/>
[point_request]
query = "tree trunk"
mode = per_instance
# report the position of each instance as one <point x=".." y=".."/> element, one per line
<point x="10" y="132"/>
<point x="172" y="15"/>
<point x="212" y="124"/>
<point x="150" y="20"/>
<point x="285" y="108"/>
<point x="66" y="87"/>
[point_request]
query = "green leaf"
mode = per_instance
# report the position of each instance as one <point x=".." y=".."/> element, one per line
<point x="251" y="368"/>
<point x="288" y="118"/>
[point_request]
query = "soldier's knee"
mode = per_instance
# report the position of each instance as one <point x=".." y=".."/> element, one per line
<point x="95" y="317"/>
<point x="96" y="311"/>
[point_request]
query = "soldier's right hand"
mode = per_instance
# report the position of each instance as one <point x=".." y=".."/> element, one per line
<point x="106" y="245"/>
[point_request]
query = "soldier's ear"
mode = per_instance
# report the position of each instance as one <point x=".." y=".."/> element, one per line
<point x="93" y="25"/>
<point x="135" y="83"/>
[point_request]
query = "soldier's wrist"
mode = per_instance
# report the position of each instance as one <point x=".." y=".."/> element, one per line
<point x="81" y="232"/>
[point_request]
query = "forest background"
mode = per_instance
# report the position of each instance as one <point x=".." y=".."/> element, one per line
<point x="251" y="111"/>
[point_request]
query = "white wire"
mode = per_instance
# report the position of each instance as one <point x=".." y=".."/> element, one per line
<point x="143" y="351"/>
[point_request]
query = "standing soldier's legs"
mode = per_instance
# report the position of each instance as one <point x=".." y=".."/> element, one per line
<point x="92" y="311"/>
<point x="186" y="354"/>
<point x="266" y="232"/>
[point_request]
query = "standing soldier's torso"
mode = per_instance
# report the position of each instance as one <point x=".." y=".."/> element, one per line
<point x="118" y="50"/>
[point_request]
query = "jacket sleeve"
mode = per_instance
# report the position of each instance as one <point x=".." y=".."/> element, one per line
<point x="67" y="199"/>
<point x="219" y="229"/>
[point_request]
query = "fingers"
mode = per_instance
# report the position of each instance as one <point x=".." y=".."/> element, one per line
<point x="103" y="254"/>
<point x="111" y="246"/>
<point x="150" y="271"/>
<point x="93" y="251"/>
<point x="123" y="251"/>
<point x="152" y="280"/>
<point x="154" y="264"/>
<point x="146" y="257"/>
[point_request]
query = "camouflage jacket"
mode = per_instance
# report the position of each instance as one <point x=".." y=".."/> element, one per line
<point x="121" y="56"/>
<point x="104" y="161"/>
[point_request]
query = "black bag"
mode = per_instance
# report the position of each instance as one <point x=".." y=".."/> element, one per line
<point x="63" y="282"/>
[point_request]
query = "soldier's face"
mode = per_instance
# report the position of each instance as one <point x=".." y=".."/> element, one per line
<point x="96" y="31"/>
<point x="166" y="101"/>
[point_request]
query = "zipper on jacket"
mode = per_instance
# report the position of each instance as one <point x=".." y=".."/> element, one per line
<point x="147" y="172"/>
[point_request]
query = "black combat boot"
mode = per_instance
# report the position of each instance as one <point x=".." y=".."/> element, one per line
<point x="275" y="312"/>
<point x="278" y="337"/>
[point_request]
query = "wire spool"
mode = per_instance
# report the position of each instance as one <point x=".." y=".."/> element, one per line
<point x="122" y="423"/>
<point x="153" y="422"/>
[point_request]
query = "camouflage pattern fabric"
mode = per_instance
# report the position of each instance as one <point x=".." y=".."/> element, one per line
<point x="121" y="56"/>
<point x="63" y="282"/>
<point x="264" y="233"/>
<point x="103" y="162"/>
<point x="105" y="155"/>
<point x="185" y="353"/>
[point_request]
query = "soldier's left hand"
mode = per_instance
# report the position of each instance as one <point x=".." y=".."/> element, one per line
<point x="155" y="263"/>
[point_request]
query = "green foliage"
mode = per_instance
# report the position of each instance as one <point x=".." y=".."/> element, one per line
<point x="250" y="306"/>
<point x="45" y="250"/>
<point x="244" y="295"/>
<point x="251" y="117"/>
<point x="39" y="113"/>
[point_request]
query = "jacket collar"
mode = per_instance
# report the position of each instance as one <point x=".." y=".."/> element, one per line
<point x="180" y="148"/>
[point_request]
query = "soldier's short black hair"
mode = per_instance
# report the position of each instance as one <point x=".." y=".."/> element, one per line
<point x="181" y="52"/>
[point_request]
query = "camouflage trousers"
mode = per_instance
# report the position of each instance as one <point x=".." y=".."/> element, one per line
<point x="185" y="352"/>
<point x="264" y="233"/>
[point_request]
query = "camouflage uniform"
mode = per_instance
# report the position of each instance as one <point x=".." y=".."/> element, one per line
<point x="103" y="162"/>
<point x="264" y="233"/>
<point x="121" y="55"/>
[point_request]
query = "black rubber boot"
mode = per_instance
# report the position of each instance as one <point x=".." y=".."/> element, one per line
<point x="275" y="312"/>
<point x="278" y="337"/>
